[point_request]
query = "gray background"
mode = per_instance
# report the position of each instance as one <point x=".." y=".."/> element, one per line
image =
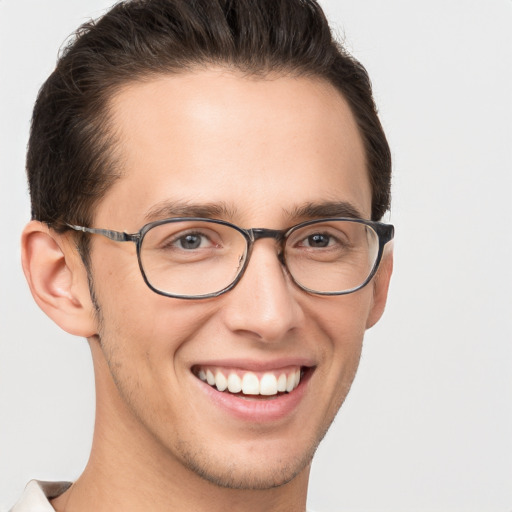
<point x="428" y="424"/>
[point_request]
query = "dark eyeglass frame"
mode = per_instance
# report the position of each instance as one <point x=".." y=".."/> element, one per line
<point x="385" y="233"/>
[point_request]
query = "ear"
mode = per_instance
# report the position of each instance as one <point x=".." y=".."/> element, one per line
<point x="381" y="286"/>
<point x="57" y="278"/>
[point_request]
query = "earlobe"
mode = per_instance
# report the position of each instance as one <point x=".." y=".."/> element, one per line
<point x="57" y="279"/>
<point x="380" y="288"/>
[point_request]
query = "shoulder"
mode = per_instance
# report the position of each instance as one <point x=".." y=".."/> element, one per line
<point x="36" y="496"/>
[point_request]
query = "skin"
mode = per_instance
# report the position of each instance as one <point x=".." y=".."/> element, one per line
<point x="262" y="149"/>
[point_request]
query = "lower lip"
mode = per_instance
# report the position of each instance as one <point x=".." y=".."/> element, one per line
<point x="259" y="409"/>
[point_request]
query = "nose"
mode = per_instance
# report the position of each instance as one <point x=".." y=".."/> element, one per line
<point x="263" y="305"/>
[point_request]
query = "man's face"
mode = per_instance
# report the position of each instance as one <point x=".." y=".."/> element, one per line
<point x="258" y="151"/>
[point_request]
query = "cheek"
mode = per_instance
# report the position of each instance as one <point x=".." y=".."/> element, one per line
<point x="141" y="325"/>
<point x="343" y="319"/>
<point x="343" y="322"/>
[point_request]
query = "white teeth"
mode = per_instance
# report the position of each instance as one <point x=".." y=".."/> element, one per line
<point x="234" y="383"/>
<point x="268" y="384"/>
<point x="220" y="381"/>
<point x="281" y="383"/>
<point x="210" y="378"/>
<point x="290" y="382"/>
<point x="250" y="384"/>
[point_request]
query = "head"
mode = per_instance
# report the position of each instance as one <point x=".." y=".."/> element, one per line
<point x="248" y="109"/>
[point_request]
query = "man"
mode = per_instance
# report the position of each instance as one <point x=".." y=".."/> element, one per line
<point x="206" y="180"/>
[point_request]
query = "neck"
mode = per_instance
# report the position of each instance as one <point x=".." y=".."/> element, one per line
<point x="130" y="470"/>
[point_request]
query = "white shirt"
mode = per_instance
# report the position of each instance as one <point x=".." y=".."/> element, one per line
<point x="37" y="494"/>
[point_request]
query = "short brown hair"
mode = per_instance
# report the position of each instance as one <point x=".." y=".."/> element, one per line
<point x="71" y="154"/>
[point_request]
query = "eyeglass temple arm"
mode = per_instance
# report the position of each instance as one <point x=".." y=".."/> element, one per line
<point x="117" y="236"/>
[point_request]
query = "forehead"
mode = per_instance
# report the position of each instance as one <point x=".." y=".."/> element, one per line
<point x="254" y="145"/>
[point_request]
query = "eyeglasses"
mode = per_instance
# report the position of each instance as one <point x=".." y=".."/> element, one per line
<point x="196" y="258"/>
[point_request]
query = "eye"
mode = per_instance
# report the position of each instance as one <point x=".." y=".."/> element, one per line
<point x="318" y="240"/>
<point x="191" y="241"/>
<point x="322" y="240"/>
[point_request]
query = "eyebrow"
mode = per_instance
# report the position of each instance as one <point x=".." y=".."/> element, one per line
<point x="167" y="209"/>
<point x="326" y="209"/>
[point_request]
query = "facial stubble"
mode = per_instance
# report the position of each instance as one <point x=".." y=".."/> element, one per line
<point x="198" y="459"/>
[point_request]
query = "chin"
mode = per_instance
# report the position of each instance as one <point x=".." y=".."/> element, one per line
<point x="243" y="478"/>
<point x="260" y="468"/>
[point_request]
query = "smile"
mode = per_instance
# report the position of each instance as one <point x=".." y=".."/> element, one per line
<point x="241" y="382"/>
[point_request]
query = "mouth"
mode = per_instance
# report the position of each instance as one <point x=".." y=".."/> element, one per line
<point x="251" y="384"/>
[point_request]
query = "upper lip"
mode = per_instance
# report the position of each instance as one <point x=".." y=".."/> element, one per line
<point x="257" y="365"/>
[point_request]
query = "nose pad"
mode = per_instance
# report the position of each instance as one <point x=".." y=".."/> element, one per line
<point x="263" y="303"/>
